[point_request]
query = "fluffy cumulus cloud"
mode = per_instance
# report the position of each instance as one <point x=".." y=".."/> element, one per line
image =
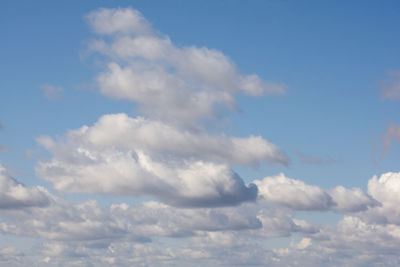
<point x="181" y="85"/>
<point x="85" y="233"/>
<point x="168" y="154"/>
<point x="16" y="195"/>
<point x="298" y="195"/>
<point x="136" y="156"/>
<point x="125" y="234"/>
<point x="385" y="189"/>
<point x="293" y="193"/>
<point x="156" y="234"/>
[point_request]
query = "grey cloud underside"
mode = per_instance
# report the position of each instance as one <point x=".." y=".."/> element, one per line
<point x="141" y="235"/>
<point x="15" y="195"/>
<point x="390" y="88"/>
<point x="168" y="154"/>
<point x="91" y="225"/>
<point x="298" y="195"/>
<point x="136" y="156"/>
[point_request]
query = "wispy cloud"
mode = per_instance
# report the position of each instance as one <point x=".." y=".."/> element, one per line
<point x="52" y="92"/>
<point x="314" y="160"/>
<point x="391" y="134"/>
<point x="390" y="87"/>
<point x="2" y="147"/>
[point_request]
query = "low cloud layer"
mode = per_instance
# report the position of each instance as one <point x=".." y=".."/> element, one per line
<point x="153" y="233"/>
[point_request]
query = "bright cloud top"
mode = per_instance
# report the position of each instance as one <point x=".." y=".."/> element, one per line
<point x="135" y="156"/>
<point x="298" y="195"/>
<point x="181" y="85"/>
<point x="168" y="154"/>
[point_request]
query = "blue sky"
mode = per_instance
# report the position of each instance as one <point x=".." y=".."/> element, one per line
<point x="325" y="102"/>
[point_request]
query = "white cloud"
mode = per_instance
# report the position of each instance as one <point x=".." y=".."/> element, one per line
<point x="293" y="193"/>
<point x="193" y="183"/>
<point x="298" y="195"/>
<point x="181" y="85"/>
<point x="304" y="243"/>
<point x="351" y="200"/>
<point x="386" y="190"/>
<point x="354" y="242"/>
<point x="154" y="219"/>
<point x="11" y="256"/>
<point x="85" y="233"/>
<point x="135" y="156"/>
<point x="62" y="221"/>
<point x="14" y="195"/>
<point x="155" y="137"/>
<point x="168" y="156"/>
<point x="118" y="20"/>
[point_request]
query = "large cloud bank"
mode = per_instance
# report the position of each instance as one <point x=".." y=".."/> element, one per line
<point x="168" y="154"/>
<point x="153" y="233"/>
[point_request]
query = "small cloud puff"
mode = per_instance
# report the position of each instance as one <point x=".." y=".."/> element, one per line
<point x="52" y="92"/>
<point x="14" y="195"/>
